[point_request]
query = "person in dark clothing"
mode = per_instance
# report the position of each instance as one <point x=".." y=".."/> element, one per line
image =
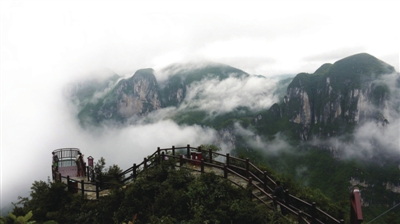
<point x="55" y="162"/>
<point x="279" y="193"/>
<point x="80" y="164"/>
<point x="54" y="165"/>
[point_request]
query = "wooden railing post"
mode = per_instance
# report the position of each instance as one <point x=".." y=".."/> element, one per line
<point x="145" y="163"/>
<point x="313" y="212"/>
<point x="188" y="151"/>
<point x="101" y="180"/>
<point x="180" y="160"/>
<point x="159" y="154"/>
<point x="247" y="167"/>
<point x="83" y="188"/>
<point x="84" y="168"/>
<point x="287" y="196"/>
<point x="162" y="157"/>
<point x="227" y="159"/>
<point x="59" y="177"/>
<point x="134" y="171"/>
<point x="202" y="166"/>
<point x="173" y="150"/>
<point x="68" y="185"/>
<point x="250" y="180"/>
<point x="53" y="172"/>
<point x="265" y="180"/>
<point x="210" y="154"/>
<point x="97" y="190"/>
<point x="299" y="217"/>
<point x="88" y="173"/>
<point x="225" y="172"/>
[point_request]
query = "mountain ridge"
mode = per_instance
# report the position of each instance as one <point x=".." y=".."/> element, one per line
<point x="312" y="121"/>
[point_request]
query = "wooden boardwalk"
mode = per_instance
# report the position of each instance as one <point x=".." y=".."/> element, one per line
<point x="240" y="172"/>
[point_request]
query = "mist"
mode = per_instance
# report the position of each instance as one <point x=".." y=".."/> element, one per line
<point x="48" y="45"/>
<point x="373" y="140"/>
<point x="223" y="96"/>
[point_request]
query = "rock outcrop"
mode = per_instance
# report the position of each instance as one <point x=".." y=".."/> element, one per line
<point x="345" y="92"/>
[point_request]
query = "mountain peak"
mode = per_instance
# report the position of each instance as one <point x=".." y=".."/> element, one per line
<point x="362" y="64"/>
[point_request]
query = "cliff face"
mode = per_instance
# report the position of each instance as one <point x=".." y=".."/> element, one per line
<point x="343" y="93"/>
<point x="174" y="89"/>
<point x="142" y="94"/>
<point x="136" y="96"/>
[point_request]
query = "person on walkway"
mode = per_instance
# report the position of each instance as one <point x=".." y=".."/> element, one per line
<point x="55" y="162"/>
<point x="83" y="168"/>
<point x="279" y="193"/>
<point x="79" y="164"/>
<point x="54" y="166"/>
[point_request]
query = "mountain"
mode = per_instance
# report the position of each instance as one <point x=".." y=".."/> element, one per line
<point x="141" y="94"/>
<point x="332" y="129"/>
<point x="174" y="89"/>
<point x="136" y="96"/>
<point x="336" y="97"/>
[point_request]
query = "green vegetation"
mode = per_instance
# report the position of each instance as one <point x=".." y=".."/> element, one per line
<point x="174" y="196"/>
<point x="313" y="167"/>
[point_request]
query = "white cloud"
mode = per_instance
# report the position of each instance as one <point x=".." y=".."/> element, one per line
<point x="223" y="96"/>
<point x="45" y="45"/>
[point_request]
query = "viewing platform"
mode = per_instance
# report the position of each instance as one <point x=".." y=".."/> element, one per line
<point x="66" y="164"/>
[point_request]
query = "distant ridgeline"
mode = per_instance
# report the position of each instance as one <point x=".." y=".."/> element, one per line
<point x="335" y="97"/>
<point x="311" y="110"/>
<point x="137" y="96"/>
<point x="331" y="101"/>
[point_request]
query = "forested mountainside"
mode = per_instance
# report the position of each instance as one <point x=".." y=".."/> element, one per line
<point x="332" y="129"/>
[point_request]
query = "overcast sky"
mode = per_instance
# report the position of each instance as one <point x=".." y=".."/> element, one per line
<point x="47" y="44"/>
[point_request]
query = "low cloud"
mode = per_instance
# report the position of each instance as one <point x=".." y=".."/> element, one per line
<point x="216" y="96"/>
<point x="270" y="147"/>
<point x="375" y="140"/>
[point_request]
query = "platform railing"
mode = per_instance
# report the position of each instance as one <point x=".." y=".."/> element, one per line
<point x="305" y="212"/>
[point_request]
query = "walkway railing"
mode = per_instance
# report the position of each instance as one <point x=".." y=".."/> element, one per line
<point x="242" y="168"/>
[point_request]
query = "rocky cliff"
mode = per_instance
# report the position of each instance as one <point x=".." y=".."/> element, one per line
<point x="337" y="96"/>
<point x="136" y="96"/>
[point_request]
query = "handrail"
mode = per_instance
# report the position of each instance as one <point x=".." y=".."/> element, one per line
<point x="253" y="175"/>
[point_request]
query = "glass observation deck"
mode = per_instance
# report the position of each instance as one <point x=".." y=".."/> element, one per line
<point x="66" y="163"/>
